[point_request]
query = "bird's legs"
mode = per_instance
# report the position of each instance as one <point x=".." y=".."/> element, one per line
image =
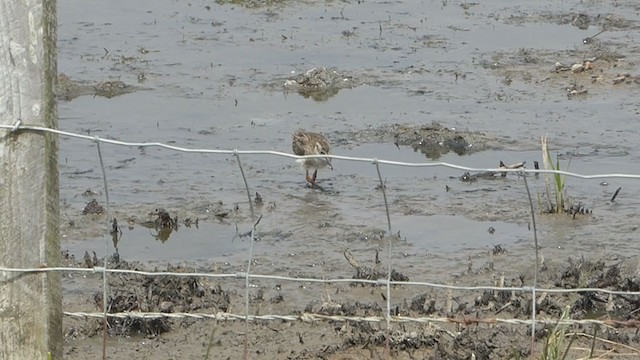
<point x="312" y="180"/>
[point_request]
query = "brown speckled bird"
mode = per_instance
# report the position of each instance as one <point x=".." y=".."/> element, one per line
<point x="310" y="143"/>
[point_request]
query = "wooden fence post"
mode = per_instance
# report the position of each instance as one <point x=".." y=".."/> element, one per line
<point x="30" y="303"/>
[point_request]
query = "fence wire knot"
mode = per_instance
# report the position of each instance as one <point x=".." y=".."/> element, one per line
<point x="235" y="152"/>
<point x="16" y="126"/>
<point x="241" y="274"/>
<point x="98" y="269"/>
<point x="382" y="282"/>
<point x="306" y="317"/>
<point x="374" y="161"/>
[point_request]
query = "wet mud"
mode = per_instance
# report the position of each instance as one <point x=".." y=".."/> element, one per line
<point x="475" y="84"/>
<point x="467" y="322"/>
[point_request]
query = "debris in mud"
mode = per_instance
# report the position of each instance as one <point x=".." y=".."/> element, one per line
<point x="576" y="90"/>
<point x="164" y="224"/>
<point x="320" y="83"/>
<point x="367" y="273"/>
<point x="89" y="193"/>
<point x="93" y="208"/>
<point x="436" y="140"/>
<point x="499" y="250"/>
<point x="188" y="222"/>
<point x="249" y="4"/>
<point x="138" y="293"/>
<point x="115" y="228"/>
<point x="589" y="40"/>
<point x="499" y="342"/>
<point x="398" y="340"/>
<point x="624" y="78"/>
<point x="164" y="220"/>
<point x="573" y="209"/>
<point x="110" y="89"/>
<point x="581" y="21"/>
<point x="467" y="313"/>
<point x="468" y="177"/>
<point x="249" y="233"/>
<point x="615" y="194"/>
<point x="575" y="68"/>
<point x="258" y="199"/>
<point x="433" y="140"/>
<point x="90" y="261"/>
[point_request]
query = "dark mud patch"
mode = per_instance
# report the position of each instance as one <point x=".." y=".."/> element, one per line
<point x="466" y="320"/>
<point x="433" y="140"/>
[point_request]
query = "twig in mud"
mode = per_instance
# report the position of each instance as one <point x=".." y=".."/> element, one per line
<point x="210" y="344"/>
<point x="115" y="229"/>
<point x="352" y="261"/>
<point x="589" y="40"/>
<point x="593" y="343"/>
<point x="247" y="233"/>
<point x="615" y="194"/>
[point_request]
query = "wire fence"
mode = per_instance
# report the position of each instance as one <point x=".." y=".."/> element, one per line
<point x="312" y="317"/>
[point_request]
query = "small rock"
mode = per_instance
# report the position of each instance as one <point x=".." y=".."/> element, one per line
<point x="576" y="68"/>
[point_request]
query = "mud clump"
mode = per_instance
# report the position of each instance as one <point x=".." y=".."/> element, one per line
<point x="433" y="140"/>
<point x="163" y="294"/>
<point x="93" y="208"/>
<point x="320" y="83"/>
<point x="69" y="89"/>
<point x="368" y="273"/>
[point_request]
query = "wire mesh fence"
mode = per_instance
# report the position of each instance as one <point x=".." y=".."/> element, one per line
<point x="390" y="318"/>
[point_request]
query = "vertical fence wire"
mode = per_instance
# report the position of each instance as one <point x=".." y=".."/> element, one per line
<point x="253" y="230"/>
<point x="106" y="251"/>
<point x="386" y="207"/>
<point x="535" y="274"/>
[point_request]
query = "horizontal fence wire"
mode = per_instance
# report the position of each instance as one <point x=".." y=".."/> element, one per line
<point x="292" y="156"/>
<point x="380" y="282"/>
<point x="311" y="317"/>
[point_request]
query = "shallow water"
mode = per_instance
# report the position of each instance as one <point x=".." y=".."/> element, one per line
<point x="419" y="62"/>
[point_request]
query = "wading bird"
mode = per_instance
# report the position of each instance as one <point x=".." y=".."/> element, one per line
<point x="310" y="143"/>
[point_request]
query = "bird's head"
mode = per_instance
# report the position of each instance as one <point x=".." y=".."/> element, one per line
<point x="321" y="150"/>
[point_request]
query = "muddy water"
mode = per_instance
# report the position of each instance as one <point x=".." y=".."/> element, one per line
<point x="214" y="74"/>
